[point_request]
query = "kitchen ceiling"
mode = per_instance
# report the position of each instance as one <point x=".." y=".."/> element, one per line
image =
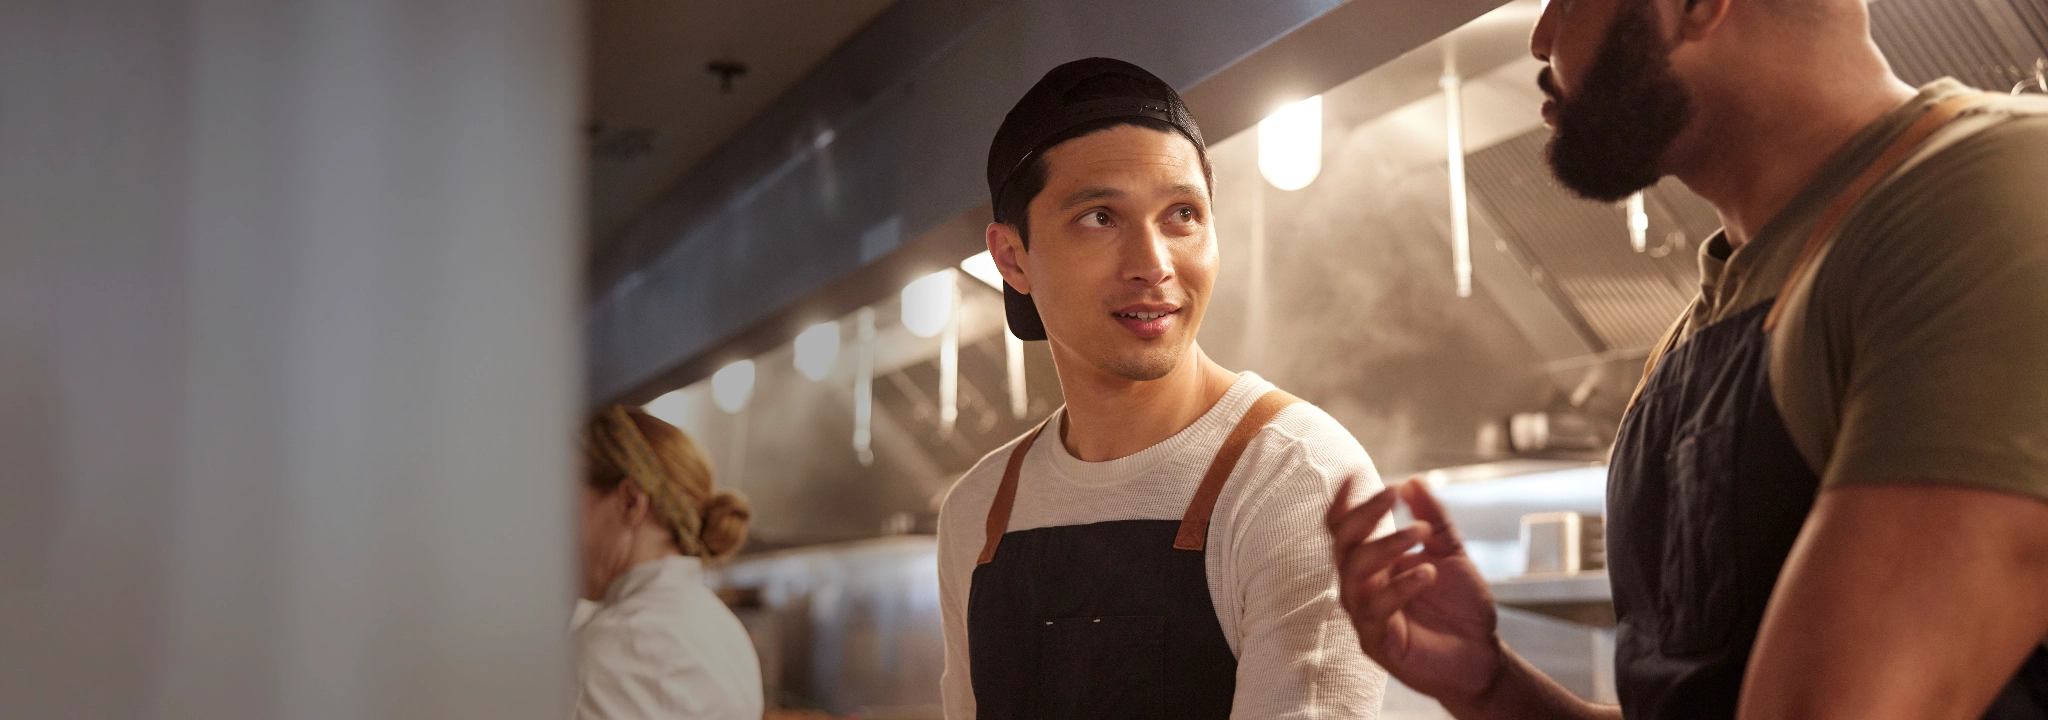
<point x="655" y="109"/>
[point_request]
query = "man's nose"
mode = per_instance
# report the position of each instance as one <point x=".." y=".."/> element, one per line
<point x="1147" y="257"/>
<point x="1546" y="27"/>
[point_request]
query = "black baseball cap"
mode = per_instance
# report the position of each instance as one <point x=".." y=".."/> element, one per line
<point x="1047" y="114"/>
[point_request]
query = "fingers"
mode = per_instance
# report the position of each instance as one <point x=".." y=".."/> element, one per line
<point x="1380" y="604"/>
<point x="1372" y="557"/>
<point x="1424" y="507"/>
<point x="1353" y="526"/>
<point x="1340" y="504"/>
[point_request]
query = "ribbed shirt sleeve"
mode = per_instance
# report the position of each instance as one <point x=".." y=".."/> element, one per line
<point x="1297" y="654"/>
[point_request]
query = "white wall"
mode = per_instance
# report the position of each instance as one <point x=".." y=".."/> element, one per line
<point x="287" y="357"/>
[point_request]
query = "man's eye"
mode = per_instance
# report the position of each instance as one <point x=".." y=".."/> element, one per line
<point x="1186" y="215"/>
<point x="1095" y="218"/>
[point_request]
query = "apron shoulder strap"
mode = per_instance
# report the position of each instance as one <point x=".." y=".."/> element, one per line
<point x="1006" y="495"/>
<point x="1194" y="525"/>
<point x="1896" y="154"/>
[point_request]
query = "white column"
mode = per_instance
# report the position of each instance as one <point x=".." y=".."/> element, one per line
<point x="287" y="357"/>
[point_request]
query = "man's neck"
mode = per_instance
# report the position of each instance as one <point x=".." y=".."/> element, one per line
<point x="1764" y="149"/>
<point x="1109" y="417"/>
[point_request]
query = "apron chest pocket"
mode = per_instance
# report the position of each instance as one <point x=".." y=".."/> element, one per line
<point x="1698" y="589"/>
<point x="1101" y="667"/>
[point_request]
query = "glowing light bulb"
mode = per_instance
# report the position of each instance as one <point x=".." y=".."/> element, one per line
<point x="1638" y="223"/>
<point x="1291" y="144"/>
<point x="816" y="349"/>
<point x="733" y="385"/>
<point x="864" y="386"/>
<point x="928" y="303"/>
<point x="983" y="267"/>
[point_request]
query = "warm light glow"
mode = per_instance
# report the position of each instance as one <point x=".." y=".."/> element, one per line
<point x="864" y="386"/>
<point x="1013" y="353"/>
<point x="983" y="267"/>
<point x="949" y="372"/>
<point x="1454" y="164"/>
<point x="672" y="408"/>
<point x="1291" y="144"/>
<point x="928" y="303"/>
<point x="816" y="349"/>
<point x="732" y="385"/>
<point x="1638" y="223"/>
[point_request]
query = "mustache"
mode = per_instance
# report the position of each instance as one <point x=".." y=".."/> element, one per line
<point x="1548" y="83"/>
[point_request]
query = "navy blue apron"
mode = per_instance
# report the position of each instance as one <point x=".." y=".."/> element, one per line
<point x="1105" y="620"/>
<point x="1706" y="495"/>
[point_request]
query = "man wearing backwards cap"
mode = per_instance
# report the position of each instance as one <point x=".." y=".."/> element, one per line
<point x="1155" y="548"/>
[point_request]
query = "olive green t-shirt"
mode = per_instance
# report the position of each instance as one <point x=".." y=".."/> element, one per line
<point x="1915" y="347"/>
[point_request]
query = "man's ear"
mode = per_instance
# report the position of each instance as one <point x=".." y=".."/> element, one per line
<point x="1699" y="18"/>
<point x="1007" y="247"/>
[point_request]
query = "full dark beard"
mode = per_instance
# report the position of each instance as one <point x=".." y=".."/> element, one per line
<point x="1611" y="134"/>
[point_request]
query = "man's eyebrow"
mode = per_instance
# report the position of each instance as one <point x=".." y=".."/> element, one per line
<point x="1088" y="195"/>
<point x="1092" y="194"/>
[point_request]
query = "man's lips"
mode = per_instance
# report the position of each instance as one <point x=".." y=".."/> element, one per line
<point x="1147" y="320"/>
<point x="1548" y="84"/>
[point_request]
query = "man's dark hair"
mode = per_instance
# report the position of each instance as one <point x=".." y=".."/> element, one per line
<point x="1013" y="208"/>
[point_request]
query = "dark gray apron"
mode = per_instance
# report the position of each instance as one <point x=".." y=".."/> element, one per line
<point x="1105" y="620"/>
<point x="1706" y="494"/>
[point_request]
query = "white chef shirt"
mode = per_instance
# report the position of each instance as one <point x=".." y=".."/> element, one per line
<point x="661" y="645"/>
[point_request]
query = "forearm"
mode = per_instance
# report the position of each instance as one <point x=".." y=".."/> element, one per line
<point x="1518" y="691"/>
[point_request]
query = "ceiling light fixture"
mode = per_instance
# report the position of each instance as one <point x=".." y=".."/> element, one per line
<point x="816" y="349"/>
<point x="928" y="303"/>
<point x="733" y="385"/>
<point x="983" y="267"/>
<point x="1291" y="144"/>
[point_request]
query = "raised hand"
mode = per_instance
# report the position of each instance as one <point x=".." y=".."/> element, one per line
<point x="1427" y="616"/>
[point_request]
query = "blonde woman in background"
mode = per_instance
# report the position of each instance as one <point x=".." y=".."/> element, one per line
<point x="658" y="643"/>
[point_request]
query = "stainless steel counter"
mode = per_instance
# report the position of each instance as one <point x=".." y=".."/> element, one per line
<point x="1584" y="598"/>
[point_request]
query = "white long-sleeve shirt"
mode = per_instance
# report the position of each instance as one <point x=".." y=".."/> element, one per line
<point x="661" y="645"/>
<point x="1268" y="560"/>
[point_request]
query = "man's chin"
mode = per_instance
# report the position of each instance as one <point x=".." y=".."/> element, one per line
<point x="1145" y="365"/>
<point x="1599" y="174"/>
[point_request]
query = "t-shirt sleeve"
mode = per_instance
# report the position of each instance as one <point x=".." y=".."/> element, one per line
<point x="1945" y="378"/>
<point x="1298" y="656"/>
<point x="956" y="568"/>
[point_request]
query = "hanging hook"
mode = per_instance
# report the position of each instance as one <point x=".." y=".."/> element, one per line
<point x="2039" y="81"/>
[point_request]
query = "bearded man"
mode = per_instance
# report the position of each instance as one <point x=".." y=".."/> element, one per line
<point x="1829" y="498"/>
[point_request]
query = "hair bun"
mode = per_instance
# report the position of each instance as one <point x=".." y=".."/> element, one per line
<point x="725" y="525"/>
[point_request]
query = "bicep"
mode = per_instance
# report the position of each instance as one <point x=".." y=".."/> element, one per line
<point x="1944" y="338"/>
<point x="955" y="568"/>
<point x="1903" y="601"/>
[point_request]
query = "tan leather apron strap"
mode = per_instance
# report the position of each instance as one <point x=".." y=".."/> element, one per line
<point x="1657" y="353"/>
<point x="1900" y="150"/>
<point x="1194" y="525"/>
<point x="1006" y="496"/>
<point x="1879" y="169"/>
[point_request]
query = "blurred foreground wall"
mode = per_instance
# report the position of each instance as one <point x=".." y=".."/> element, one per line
<point x="287" y="358"/>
